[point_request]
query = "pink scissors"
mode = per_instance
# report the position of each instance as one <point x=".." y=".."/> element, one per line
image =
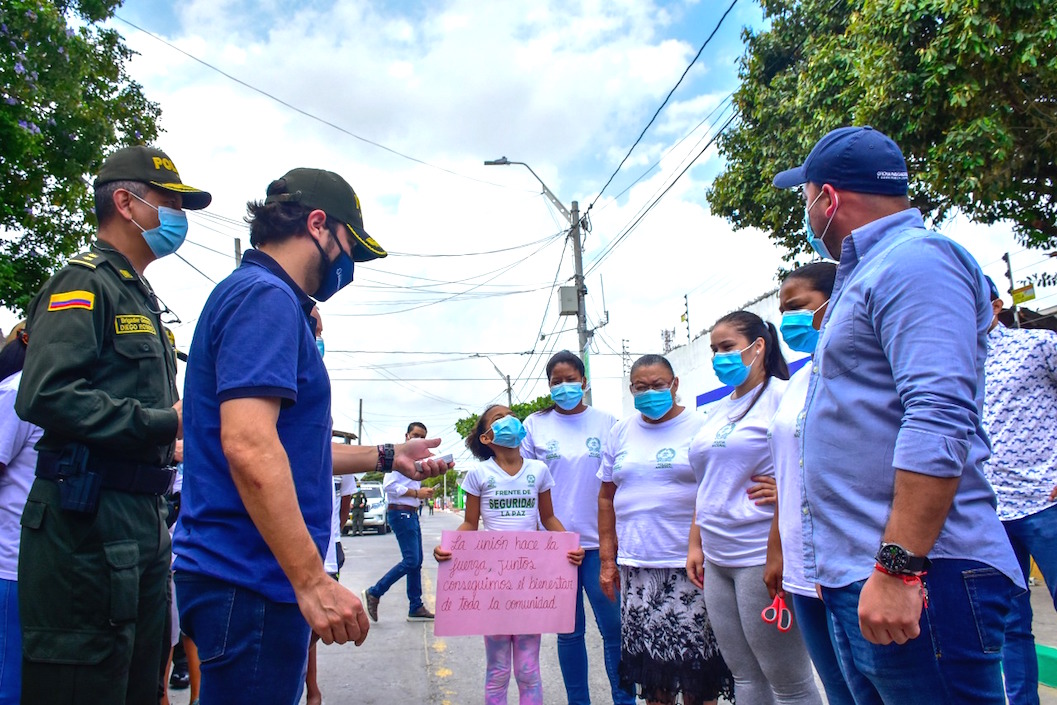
<point x="778" y="614"/>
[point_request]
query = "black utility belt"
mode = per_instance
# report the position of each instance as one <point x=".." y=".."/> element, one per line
<point x="123" y="476"/>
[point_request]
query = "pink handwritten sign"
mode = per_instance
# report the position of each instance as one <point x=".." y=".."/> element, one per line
<point x="506" y="582"/>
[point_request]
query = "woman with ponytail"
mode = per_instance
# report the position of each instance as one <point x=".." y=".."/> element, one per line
<point x="728" y="541"/>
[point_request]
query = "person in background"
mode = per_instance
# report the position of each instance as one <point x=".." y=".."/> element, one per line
<point x="802" y="299"/>
<point x="358" y="506"/>
<point x="1020" y="416"/>
<point x="568" y="438"/>
<point x="18" y="459"/>
<point x="405" y="498"/>
<point x="899" y="521"/>
<point x="495" y="441"/>
<point x="645" y="511"/>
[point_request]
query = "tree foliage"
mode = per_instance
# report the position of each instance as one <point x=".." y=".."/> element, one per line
<point x="66" y="101"/>
<point x="464" y="426"/>
<point x="967" y="88"/>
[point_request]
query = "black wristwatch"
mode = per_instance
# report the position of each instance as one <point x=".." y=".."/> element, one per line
<point x="898" y="561"/>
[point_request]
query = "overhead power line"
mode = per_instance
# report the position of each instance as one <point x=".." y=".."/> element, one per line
<point x="659" y="109"/>
<point x="304" y="112"/>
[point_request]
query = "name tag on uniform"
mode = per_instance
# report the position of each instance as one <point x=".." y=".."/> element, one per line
<point x="133" y="323"/>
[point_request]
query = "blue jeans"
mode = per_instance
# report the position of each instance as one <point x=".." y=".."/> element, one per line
<point x="815" y="627"/>
<point x="1032" y="536"/>
<point x="409" y="536"/>
<point x="10" y="644"/>
<point x="253" y="650"/>
<point x="956" y="658"/>
<point x="572" y="650"/>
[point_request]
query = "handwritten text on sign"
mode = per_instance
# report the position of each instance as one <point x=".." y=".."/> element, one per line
<point x="506" y="582"/>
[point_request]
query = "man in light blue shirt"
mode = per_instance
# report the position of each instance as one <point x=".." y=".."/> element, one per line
<point x="899" y="522"/>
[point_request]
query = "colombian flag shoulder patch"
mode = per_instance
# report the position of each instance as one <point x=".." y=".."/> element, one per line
<point x="72" y="299"/>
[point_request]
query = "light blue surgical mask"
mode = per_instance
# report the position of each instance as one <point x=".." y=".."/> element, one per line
<point x="798" y="329"/>
<point x="508" y="432"/>
<point x="335" y="275"/>
<point x="654" y="403"/>
<point x="319" y="344"/>
<point x="170" y="233"/>
<point x="567" y="395"/>
<point x="816" y="241"/>
<point x="730" y="368"/>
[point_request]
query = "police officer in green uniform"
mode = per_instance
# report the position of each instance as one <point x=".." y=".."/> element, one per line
<point x="100" y="379"/>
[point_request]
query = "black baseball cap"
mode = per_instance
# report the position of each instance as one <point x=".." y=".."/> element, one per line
<point x="150" y="165"/>
<point x="327" y="191"/>
<point x="859" y="159"/>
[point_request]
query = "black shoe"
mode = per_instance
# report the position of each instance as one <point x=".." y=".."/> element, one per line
<point x="179" y="680"/>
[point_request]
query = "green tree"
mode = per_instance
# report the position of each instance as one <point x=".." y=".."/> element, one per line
<point x="967" y="88"/>
<point x="464" y="426"/>
<point x="66" y="101"/>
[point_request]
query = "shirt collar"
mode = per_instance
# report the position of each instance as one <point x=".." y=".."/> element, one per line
<point x="265" y="261"/>
<point x="863" y="239"/>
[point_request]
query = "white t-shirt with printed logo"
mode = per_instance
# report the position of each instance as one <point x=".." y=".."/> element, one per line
<point x="571" y="446"/>
<point x="654" y="501"/>
<point x="17" y="438"/>
<point x="509" y="502"/>
<point x="725" y="455"/>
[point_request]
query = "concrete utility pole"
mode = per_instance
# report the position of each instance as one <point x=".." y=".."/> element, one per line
<point x="578" y="278"/>
<point x="359" y="432"/>
<point x="238" y="252"/>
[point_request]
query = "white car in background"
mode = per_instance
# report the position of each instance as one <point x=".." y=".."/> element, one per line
<point x="376" y="515"/>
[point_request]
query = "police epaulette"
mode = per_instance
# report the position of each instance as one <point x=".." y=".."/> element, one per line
<point x="85" y="259"/>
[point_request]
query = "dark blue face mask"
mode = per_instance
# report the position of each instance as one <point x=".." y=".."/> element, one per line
<point x="335" y="275"/>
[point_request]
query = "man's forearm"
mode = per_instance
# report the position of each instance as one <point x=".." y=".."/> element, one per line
<point x="353" y="459"/>
<point x="919" y="510"/>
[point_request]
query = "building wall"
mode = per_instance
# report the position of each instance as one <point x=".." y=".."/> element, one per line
<point x="698" y="386"/>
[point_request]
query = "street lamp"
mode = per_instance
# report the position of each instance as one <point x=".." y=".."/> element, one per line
<point x="573" y="218"/>
<point x="509" y="391"/>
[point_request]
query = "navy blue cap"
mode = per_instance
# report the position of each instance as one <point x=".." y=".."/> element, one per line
<point x="994" y="289"/>
<point x="859" y="159"/>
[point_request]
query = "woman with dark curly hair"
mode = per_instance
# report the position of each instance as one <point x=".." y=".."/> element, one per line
<point x="645" y="510"/>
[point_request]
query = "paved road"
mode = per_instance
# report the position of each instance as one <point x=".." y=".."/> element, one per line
<point x="403" y="662"/>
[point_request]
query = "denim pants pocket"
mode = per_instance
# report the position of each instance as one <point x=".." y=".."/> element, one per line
<point x="207" y="604"/>
<point x="990" y="593"/>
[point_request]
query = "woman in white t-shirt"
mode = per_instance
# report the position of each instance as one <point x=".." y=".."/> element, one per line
<point x="568" y="438"/>
<point x="503" y="474"/>
<point x="802" y="300"/>
<point x="728" y="542"/>
<point x="645" y="510"/>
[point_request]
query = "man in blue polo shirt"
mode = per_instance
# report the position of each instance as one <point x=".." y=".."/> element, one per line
<point x="257" y="493"/>
<point x="899" y="522"/>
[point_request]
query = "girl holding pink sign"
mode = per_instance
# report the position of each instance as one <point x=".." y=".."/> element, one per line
<point x="509" y="493"/>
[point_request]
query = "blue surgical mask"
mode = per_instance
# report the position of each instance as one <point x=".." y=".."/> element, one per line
<point x="730" y="368"/>
<point x="654" y="403"/>
<point x="508" y="432"/>
<point x="319" y="344"/>
<point x="798" y="330"/>
<point x="335" y="275"/>
<point x="816" y="241"/>
<point x="567" y="395"/>
<point x="170" y="233"/>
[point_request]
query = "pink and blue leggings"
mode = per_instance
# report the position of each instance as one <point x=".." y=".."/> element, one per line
<point x="521" y="650"/>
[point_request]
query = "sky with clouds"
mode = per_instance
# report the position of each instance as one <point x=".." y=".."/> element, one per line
<point x="475" y="251"/>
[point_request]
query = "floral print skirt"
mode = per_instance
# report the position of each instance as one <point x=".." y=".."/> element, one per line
<point x="667" y="644"/>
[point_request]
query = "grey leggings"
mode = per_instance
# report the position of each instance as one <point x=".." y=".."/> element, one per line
<point x="769" y="667"/>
